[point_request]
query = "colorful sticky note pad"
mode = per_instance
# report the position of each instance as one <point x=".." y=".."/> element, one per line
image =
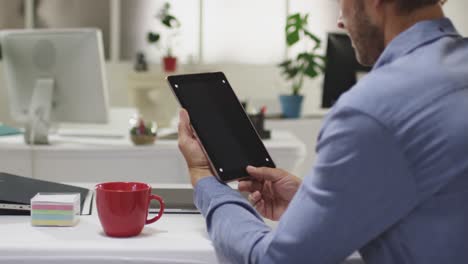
<point x="55" y="209"/>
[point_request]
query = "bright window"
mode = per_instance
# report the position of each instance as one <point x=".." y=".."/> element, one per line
<point x="75" y="13"/>
<point x="138" y="18"/>
<point x="243" y="31"/>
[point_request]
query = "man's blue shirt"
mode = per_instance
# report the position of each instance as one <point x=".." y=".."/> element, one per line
<point x="391" y="175"/>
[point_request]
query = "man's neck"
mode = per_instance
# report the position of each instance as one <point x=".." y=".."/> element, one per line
<point x="398" y="22"/>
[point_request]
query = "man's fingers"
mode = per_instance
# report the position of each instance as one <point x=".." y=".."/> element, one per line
<point x="184" y="129"/>
<point x="184" y="123"/>
<point x="254" y="197"/>
<point x="244" y="186"/>
<point x="249" y="186"/>
<point x="260" y="207"/>
<point x="257" y="201"/>
<point x="266" y="174"/>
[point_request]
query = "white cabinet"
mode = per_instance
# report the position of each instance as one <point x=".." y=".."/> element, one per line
<point x="151" y="95"/>
<point x="92" y="160"/>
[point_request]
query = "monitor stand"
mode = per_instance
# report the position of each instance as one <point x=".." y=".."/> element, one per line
<point x="37" y="126"/>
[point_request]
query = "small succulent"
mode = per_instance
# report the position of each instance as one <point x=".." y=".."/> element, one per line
<point x="143" y="129"/>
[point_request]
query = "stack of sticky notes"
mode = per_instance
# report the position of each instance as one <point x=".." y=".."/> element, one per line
<point x="55" y="209"/>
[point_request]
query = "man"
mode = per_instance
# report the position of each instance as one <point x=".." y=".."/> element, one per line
<point x="391" y="176"/>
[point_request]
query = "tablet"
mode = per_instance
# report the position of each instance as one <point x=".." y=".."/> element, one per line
<point x="229" y="139"/>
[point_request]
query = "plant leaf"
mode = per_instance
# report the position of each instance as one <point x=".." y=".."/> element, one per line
<point x="307" y="63"/>
<point x="285" y="63"/>
<point x="310" y="71"/>
<point x="306" y="19"/>
<point x="289" y="70"/>
<point x="293" y="19"/>
<point x="314" y="38"/>
<point x="153" y="37"/>
<point x="293" y="27"/>
<point x="170" y="21"/>
<point x="292" y="37"/>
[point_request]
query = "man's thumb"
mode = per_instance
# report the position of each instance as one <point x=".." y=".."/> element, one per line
<point x="266" y="173"/>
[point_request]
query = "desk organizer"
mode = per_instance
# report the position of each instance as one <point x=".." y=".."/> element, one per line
<point x="258" y="121"/>
<point x="55" y="209"/>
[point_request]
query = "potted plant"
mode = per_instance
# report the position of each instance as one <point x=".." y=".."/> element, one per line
<point x="141" y="132"/>
<point x="171" y="26"/>
<point x="307" y="63"/>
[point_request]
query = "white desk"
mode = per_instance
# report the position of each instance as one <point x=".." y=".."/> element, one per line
<point x="86" y="160"/>
<point x="173" y="239"/>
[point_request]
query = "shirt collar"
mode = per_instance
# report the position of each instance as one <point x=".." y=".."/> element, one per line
<point x="415" y="37"/>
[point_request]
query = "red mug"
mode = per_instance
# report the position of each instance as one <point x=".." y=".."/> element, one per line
<point x="123" y="207"/>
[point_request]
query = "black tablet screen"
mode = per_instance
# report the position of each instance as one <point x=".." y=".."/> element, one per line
<point x="220" y="122"/>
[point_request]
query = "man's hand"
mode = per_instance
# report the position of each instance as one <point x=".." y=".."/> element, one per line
<point x="197" y="162"/>
<point x="271" y="190"/>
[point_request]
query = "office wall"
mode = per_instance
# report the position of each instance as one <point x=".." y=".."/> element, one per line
<point x="260" y="84"/>
<point x="56" y="14"/>
<point x="456" y="10"/>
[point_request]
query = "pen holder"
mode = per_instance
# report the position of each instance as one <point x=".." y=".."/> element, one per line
<point x="258" y="121"/>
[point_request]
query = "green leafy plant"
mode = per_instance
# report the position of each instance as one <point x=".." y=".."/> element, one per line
<point x="308" y="63"/>
<point x="170" y="25"/>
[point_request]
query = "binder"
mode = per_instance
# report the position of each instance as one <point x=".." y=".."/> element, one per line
<point x="16" y="193"/>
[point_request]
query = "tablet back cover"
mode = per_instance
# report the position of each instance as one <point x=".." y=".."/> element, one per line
<point x="224" y="129"/>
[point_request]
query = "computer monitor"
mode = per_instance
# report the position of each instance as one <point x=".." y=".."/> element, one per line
<point x="54" y="76"/>
<point x="342" y="68"/>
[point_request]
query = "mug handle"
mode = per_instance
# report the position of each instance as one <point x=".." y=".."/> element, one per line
<point x="161" y="208"/>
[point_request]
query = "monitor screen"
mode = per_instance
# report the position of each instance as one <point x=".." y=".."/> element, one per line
<point x="342" y="68"/>
<point x="55" y="76"/>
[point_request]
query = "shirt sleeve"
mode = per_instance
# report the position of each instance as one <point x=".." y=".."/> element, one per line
<point x="359" y="187"/>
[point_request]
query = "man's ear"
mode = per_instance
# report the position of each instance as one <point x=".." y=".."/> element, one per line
<point x="378" y="4"/>
<point x="374" y="6"/>
<point x="377" y="10"/>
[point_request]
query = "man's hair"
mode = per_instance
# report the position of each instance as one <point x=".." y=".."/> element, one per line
<point x="411" y="5"/>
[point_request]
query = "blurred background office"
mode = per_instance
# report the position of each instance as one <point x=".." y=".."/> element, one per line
<point x="243" y="38"/>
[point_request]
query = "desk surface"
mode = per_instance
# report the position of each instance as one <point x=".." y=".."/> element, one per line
<point x="173" y="239"/>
